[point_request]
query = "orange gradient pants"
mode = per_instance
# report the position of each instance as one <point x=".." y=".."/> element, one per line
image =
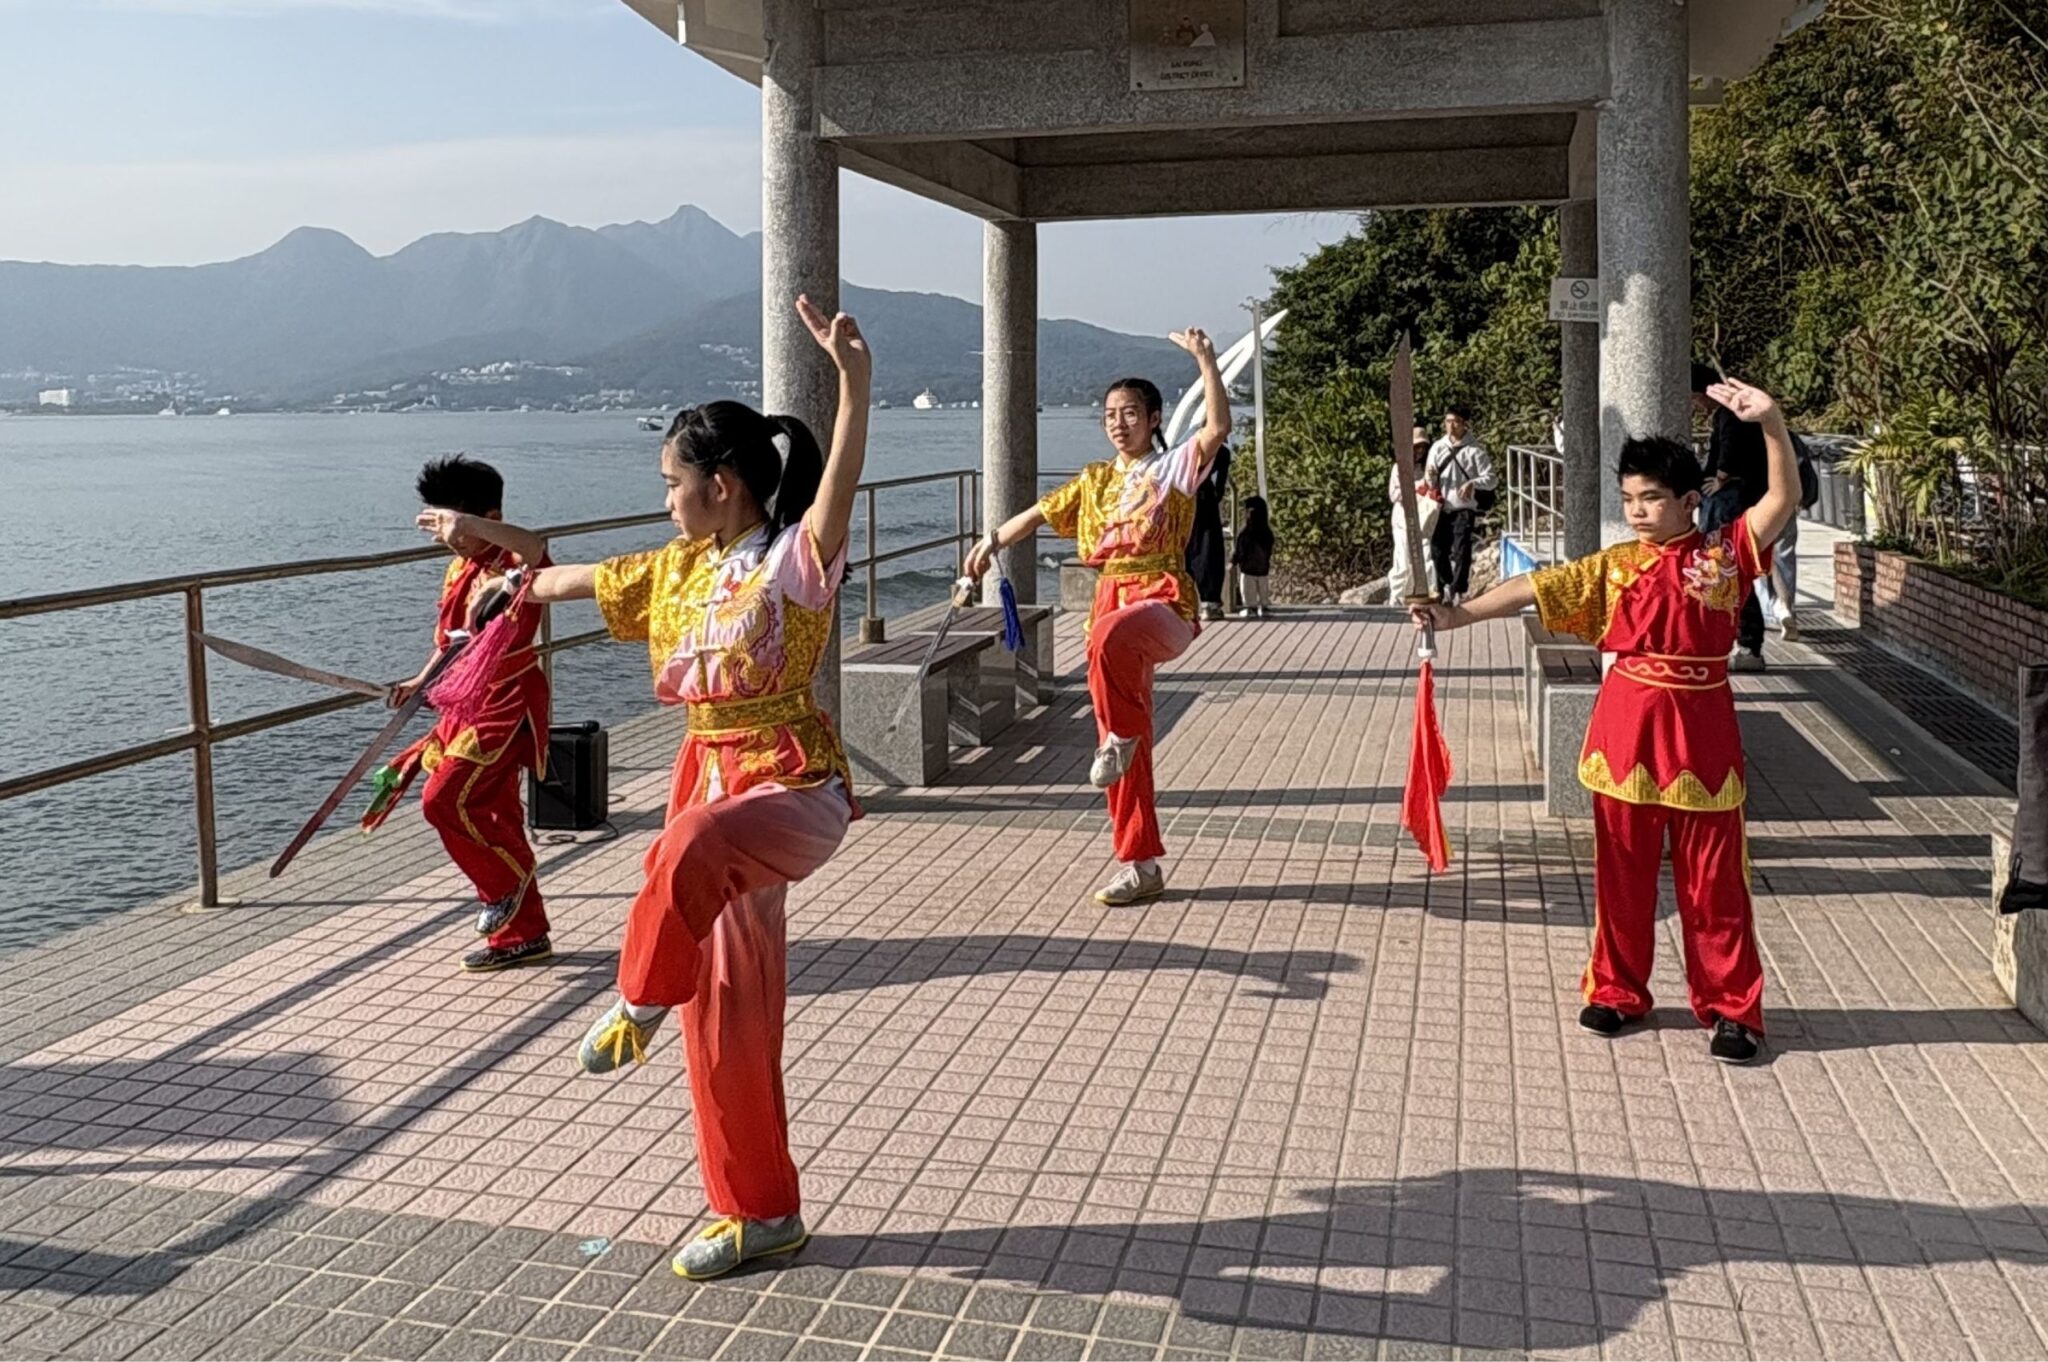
<point x="706" y="935"/>
<point x="1125" y="647"/>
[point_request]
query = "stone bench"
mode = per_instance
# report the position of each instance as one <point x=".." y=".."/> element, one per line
<point x="1562" y="677"/>
<point x="981" y="698"/>
<point x="872" y="682"/>
<point x="1035" y="675"/>
<point x="2019" y="943"/>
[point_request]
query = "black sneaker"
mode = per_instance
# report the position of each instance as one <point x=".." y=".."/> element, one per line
<point x="1734" y="1043"/>
<point x="492" y="917"/>
<point x="1601" y="1020"/>
<point x="507" y="957"/>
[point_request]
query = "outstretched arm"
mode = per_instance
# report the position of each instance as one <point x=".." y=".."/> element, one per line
<point x="1215" y="397"/>
<point x="1016" y="530"/>
<point x="564" y="582"/>
<point x="832" y="511"/>
<point x="464" y="533"/>
<point x="1511" y="597"/>
<point x="1780" y="502"/>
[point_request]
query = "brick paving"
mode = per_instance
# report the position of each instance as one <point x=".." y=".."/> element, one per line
<point x="1314" y="1104"/>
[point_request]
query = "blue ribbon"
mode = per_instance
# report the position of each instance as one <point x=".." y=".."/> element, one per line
<point x="1013" y="624"/>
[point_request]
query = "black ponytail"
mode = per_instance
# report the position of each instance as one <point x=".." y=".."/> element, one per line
<point x="733" y="435"/>
<point x="802" y="471"/>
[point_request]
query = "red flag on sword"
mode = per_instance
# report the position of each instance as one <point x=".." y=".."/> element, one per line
<point x="1429" y="775"/>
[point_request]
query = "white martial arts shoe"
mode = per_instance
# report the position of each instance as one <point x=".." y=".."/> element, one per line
<point x="1112" y="759"/>
<point x="1133" y="884"/>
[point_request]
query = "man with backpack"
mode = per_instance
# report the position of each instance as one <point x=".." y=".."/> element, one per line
<point x="1737" y="477"/>
<point x="1459" y="474"/>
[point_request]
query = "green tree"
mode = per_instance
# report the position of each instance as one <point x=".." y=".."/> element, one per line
<point x="1870" y="242"/>
<point x="1326" y="472"/>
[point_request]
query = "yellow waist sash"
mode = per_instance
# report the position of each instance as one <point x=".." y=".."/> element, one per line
<point x="725" y="718"/>
<point x="1144" y="567"/>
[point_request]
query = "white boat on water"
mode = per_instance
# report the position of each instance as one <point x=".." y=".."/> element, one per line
<point x="224" y="412"/>
<point x="170" y="410"/>
<point x="651" y="423"/>
<point x="924" y="401"/>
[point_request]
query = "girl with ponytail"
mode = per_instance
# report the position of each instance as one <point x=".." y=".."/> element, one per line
<point x="736" y="614"/>
<point x="1131" y="517"/>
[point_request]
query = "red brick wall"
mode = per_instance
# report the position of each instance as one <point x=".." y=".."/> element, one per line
<point x="1973" y="636"/>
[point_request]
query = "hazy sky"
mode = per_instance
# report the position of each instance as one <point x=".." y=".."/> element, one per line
<point x="183" y="131"/>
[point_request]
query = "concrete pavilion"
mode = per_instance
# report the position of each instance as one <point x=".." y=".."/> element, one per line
<point x="1029" y="111"/>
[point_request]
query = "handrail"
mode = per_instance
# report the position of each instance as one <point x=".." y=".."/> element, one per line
<point x="203" y="734"/>
<point x="21" y="606"/>
<point x="1533" y="507"/>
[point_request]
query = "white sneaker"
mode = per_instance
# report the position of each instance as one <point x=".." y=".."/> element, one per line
<point x="1133" y="884"/>
<point x="1112" y="759"/>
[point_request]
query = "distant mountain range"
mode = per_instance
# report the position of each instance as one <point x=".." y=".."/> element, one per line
<point x="540" y="313"/>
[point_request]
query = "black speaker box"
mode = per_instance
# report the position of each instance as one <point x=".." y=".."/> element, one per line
<point x="576" y="795"/>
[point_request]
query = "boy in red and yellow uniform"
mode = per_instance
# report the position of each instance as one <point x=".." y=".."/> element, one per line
<point x="472" y="792"/>
<point x="1663" y="754"/>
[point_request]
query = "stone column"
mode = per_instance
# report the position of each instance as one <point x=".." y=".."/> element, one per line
<point x="799" y="241"/>
<point x="1578" y="232"/>
<point x="1646" y="266"/>
<point x="1009" y="391"/>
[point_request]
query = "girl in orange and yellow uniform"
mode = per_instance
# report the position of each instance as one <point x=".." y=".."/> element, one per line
<point x="1131" y="517"/>
<point x="736" y="615"/>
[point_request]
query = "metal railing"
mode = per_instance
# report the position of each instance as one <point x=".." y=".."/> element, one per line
<point x="203" y="734"/>
<point x="1532" y="501"/>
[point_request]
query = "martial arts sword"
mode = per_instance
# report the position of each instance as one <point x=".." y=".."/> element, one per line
<point x="386" y="735"/>
<point x="954" y="605"/>
<point x="284" y="666"/>
<point x="488" y="609"/>
<point x="1401" y="415"/>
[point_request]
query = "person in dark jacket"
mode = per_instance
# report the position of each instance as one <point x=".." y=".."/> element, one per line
<point x="1254" y="559"/>
<point x="1205" y="544"/>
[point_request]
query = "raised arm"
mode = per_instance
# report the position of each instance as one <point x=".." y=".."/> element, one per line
<point x="463" y="532"/>
<point x="1215" y="397"/>
<point x="832" y="511"/>
<point x="1780" y="501"/>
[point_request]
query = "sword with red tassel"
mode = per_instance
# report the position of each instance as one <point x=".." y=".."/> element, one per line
<point x="1429" y="756"/>
<point x="494" y="603"/>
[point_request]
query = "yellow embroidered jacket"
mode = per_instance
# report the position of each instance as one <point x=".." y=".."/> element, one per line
<point x="1131" y="519"/>
<point x="737" y="637"/>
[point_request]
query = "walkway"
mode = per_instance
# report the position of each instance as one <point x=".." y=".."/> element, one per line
<point x="1314" y="1105"/>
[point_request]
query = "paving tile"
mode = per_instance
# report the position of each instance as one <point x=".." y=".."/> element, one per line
<point x="690" y="1341"/>
<point x="402" y="1341"/>
<point x="847" y="1323"/>
<point x="984" y="1342"/>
